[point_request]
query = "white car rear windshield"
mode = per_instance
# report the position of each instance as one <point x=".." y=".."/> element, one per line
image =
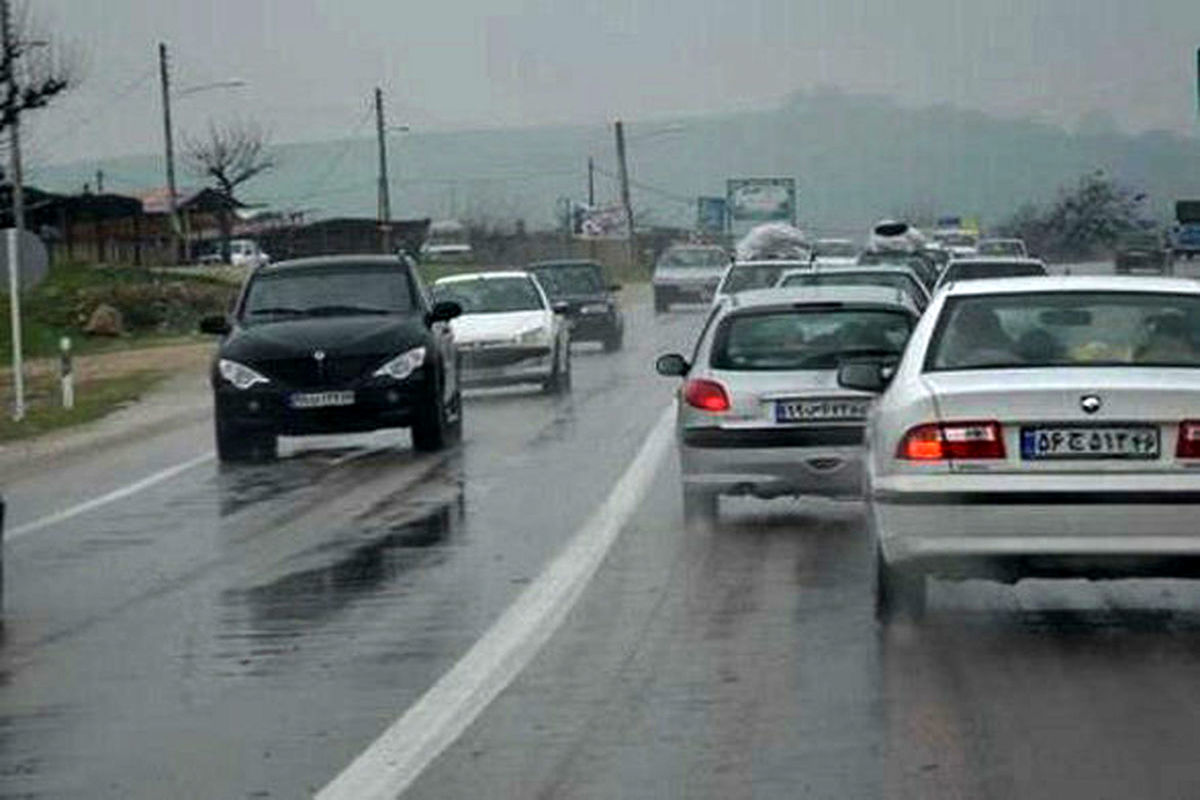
<point x="1067" y="329"/>
<point x="807" y="338"/>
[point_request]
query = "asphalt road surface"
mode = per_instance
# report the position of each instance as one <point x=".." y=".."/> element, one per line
<point x="247" y="632"/>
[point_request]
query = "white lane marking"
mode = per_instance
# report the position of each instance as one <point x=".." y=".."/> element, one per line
<point x="401" y="753"/>
<point x="103" y="500"/>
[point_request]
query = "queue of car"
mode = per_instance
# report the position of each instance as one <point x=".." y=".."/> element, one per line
<point x="1005" y="424"/>
<point x="348" y="344"/>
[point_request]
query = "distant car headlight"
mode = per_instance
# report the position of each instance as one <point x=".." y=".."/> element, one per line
<point x="241" y="376"/>
<point x="402" y="365"/>
<point x="533" y="336"/>
<point x="594" y="308"/>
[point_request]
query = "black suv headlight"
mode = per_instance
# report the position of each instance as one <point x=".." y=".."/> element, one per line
<point x="402" y="365"/>
<point x="241" y="376"/>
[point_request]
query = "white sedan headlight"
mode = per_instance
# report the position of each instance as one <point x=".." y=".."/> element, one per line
<point x="594" y="308"/>
<point x="241" y="376"/>
<point x="402" y="365"/>
<point x="533" y="336"/>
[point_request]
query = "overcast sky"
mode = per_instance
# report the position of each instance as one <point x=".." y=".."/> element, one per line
<point x="310" y="65"/>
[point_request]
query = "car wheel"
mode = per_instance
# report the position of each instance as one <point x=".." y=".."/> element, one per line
<point x="235" y="443"/>
<point x="700" y="505"/>
<point x="614" y="341"/>
<point x="560" y="379"/>
<point x="897" y="591"/>
<point x="431" y="429"/>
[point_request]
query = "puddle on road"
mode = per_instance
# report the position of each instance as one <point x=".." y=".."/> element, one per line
<point x="366" y="565"/>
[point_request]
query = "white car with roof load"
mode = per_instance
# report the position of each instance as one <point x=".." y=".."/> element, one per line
<point x="760" y="411"/>
<point x="1037" y="427"/>
<point x="509" y="332"/>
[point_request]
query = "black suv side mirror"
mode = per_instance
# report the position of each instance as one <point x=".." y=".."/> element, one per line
<point x="444" y="311"/>
<point x="672" y="365"/>
<point x="865" y="377"/>
<point x="560" y="307"/>
<point x="218" y="326"/>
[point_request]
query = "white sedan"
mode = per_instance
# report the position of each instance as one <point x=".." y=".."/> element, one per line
<point x="509" y="332"/>
<point x="1037" y="427"/>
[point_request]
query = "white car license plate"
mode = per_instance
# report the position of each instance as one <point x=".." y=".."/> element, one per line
<point x="821" y="409"/>
<point x="322" y="399"/>
<point x="1139" y="442"/>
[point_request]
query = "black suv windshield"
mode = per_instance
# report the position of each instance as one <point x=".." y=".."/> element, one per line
<point x="570" y="279"/>
<point x="331" y="290"/>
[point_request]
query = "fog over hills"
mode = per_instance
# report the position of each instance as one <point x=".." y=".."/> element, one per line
<point x="855" y="158"/>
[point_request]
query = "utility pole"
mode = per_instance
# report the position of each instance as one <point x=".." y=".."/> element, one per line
<point x="623" y="175"/>
<point x="168" y="136"/>
<point x="13" y="114"/>
<point x="385" y="201"/>
<point x="591" y="182"/>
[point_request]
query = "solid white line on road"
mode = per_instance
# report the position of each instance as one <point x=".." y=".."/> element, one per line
<point x="401" y="753"/>
<point x="111" y="497"/>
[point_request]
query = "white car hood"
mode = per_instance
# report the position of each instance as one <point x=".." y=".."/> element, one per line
<point x="502" y="327"/>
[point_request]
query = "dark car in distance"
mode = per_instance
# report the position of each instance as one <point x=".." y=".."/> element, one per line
<point x="1142" y="251"/>
<point x="334" y="345"/>
<point x="590" y="304"/>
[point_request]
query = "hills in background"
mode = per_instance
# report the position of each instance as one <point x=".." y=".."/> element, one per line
<point x="855" y="159"/>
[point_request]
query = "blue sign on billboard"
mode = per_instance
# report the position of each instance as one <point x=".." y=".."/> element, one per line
<point x="710" y="214"/>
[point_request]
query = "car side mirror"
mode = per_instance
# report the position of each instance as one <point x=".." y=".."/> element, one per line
<point x="218" y="326"/>
<point x="865" y="377"/>
<point x="560" y="307"/>
<point x="444" y="311"/>
<point x="614" y="287"/>
<point x="672" y="365"/>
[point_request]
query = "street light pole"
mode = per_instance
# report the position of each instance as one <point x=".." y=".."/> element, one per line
<point x="385" y="200"/>
<point x="168" y="137"/>
<point x="623" y="176"/>
<point x="13" y="112"/>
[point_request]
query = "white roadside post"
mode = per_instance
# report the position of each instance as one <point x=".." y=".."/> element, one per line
<point x="67" y="373"/>
<point x="14" y="301"/>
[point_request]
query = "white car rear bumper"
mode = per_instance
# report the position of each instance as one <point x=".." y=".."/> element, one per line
<point x="774" y="471"/>
<point x="1085" y="524"/>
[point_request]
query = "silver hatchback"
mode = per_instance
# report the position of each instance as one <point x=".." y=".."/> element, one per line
<point x="760" y="410"/>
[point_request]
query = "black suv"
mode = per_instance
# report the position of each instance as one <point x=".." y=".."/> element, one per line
<point x="588" y="297"/>
<point x="334" y="345"/>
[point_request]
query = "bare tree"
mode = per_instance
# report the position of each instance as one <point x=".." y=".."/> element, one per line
<point x="230" y="155"/>
<point x="34" y="69"/>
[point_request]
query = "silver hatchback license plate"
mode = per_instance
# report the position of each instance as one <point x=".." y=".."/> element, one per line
<point x="322" y="400"/>
<point x="821" y="409"/>
<point x="1137" y="442"/>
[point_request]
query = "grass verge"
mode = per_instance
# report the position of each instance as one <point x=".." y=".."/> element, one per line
<point x="93" y="400"/>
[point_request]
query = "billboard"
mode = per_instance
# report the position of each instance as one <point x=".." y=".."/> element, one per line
<point x="602" y="222"/>
<point x="761" y="199"/>
<point x="710" y="214"/>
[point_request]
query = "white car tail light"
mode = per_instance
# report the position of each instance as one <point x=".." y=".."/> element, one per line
<point x="1189" y="440"/>
<point x="953" y="440"/>
<point x="706" y="395"/>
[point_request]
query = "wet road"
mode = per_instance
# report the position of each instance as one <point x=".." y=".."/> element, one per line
<point x="247" y="632"/>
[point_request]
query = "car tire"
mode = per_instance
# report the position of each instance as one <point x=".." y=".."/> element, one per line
<point x="700" y="505"/>
<point x="431" y="428"/>
<point x="614" y="341"/>
<point x="897" y="591"/>
<point x="237" y="444"/>
<point x="559" y="381"/>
